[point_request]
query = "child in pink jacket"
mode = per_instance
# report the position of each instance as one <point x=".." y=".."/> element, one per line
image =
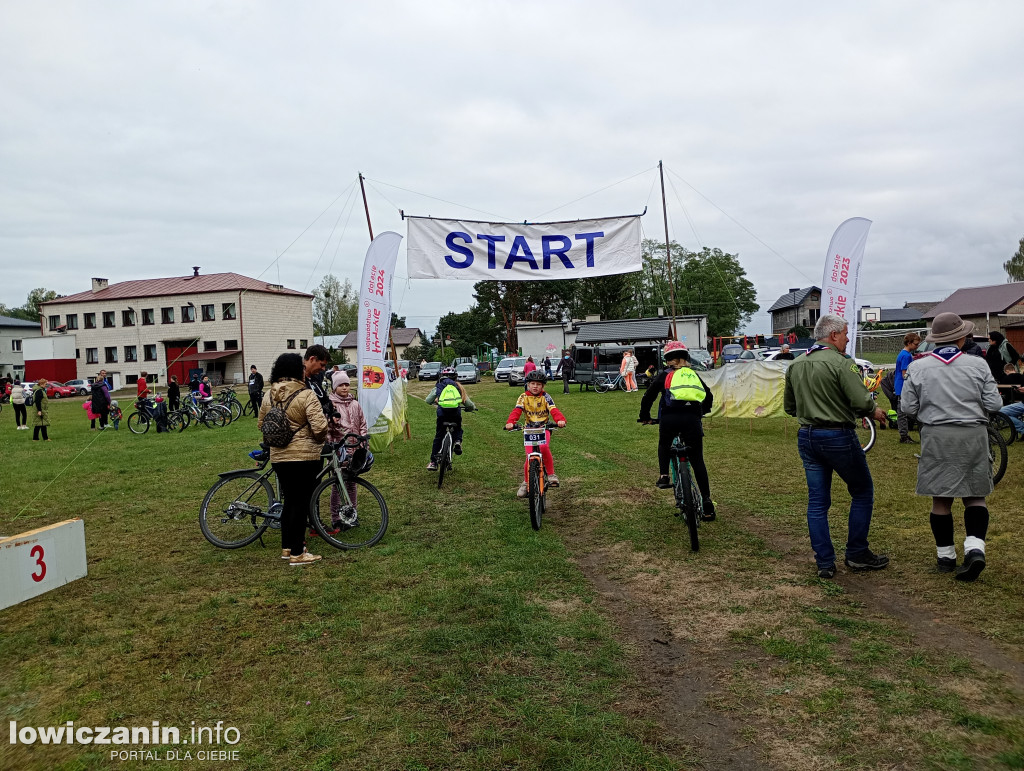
<point x="350" y="420"/>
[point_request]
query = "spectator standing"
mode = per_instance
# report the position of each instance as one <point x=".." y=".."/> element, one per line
<point x="255" y="389"/>
<point x="314" y="362"/>
<point x="785" y="355"/>
<point x="566" y="368"/>
<point x="911" y="341"/>
<point x="174" y="395"/>
<point x="547" y="367"/>
<point x="528" y="367"/>
<point x="142" y="386"/>
<point x="825" y="392"/>
<point x="951" y="394"/>
<point x="41" y="419"/>
<point x="628" y="370"/>
<point x="92" y="416"/>
<point x="298" y="463"/>
<point x="1000" y="353"/>
<point x="18" y="399"/>
<point x="100" y="398"/>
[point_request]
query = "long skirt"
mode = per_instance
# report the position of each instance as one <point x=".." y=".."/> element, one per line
<point x="954" y="462"/>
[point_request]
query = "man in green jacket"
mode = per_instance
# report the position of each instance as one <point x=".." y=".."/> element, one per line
<point x="825" y="391"/>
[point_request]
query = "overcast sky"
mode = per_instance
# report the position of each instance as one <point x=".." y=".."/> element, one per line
<point x="140" y="139"/>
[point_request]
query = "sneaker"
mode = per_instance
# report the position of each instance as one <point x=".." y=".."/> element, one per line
<point x="431" y="466"/>
<point x="945" y="564"/>
<point x="457" y="449"/>
<point x="974" y="563"/>
<point x="709" y="510"/>
<point x="552" y="480"/>
<point x="305" y="559"/>
<point x="907" y="440"/>
<point x="286" y="554"/>
<point x="663" y="483"/>
<point x="522" y="491"/>
<point x="334" y="529"/>
<point x="828" y="571"/>
<point x="867" y="561"/>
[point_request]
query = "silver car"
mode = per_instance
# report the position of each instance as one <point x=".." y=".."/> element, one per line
<point x="516" y="375"/>
<point x="467" y="373"/>
<point x="503" y="369"/>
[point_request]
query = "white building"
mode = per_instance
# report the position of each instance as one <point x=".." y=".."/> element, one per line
<point x="12" y="335"/>
<point x="220" y="323"/>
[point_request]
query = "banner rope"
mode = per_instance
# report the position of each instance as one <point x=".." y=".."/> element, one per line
<point x="600" y="190"/>
<point x="431" y="197"/>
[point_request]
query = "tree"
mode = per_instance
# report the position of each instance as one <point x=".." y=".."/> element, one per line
<point x="397" y="322"/>
<point x="800" y="331"/>
<point x="469" y="330"/>
<point x="335" y="307"/>
<point x="1014" y="267"/>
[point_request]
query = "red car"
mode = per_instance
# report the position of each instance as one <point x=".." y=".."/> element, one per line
<point x="59" y="390"/>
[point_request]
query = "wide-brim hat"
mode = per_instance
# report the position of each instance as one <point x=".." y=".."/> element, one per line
<point x="948" y="328"/>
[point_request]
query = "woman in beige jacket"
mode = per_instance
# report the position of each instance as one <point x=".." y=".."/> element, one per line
<point x="297" y="464"/>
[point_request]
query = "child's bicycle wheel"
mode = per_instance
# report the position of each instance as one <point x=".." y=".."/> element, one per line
<point x="536" y="494"/>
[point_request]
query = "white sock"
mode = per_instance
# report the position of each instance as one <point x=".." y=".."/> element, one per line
<point x="972" y="542"/>
<point x="948" y="552"/>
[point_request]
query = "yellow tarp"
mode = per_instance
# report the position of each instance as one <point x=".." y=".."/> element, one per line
<point x="391" y="422"/>
<point x="751" y="390"/>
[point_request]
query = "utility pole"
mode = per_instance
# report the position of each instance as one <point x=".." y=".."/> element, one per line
<point x="668" y="252"/>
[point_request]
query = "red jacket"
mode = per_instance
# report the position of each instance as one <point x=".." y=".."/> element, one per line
<point x="142" y="388"/>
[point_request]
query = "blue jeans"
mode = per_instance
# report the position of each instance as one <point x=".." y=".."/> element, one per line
<point x="822" y="452"/>
<point x="1015" y="412"/>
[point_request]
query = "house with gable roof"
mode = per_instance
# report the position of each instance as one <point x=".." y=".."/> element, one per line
<point x="797" y="307"/>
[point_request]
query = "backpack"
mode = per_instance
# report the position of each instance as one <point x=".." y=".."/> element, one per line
<point x="277" y="431"/>
<point x="683" y="385"/>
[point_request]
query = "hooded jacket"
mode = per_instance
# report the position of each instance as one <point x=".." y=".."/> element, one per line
<point x="352" y="420"/>
<point x="305" y="416"/>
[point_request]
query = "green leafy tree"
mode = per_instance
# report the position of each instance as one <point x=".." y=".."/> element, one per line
<point x="397" y="322"/>
<point x="470" y="329"/>
<point x="800" y="331"/>
<point x="1014" y="267"/>
<point x="335" y="307"/>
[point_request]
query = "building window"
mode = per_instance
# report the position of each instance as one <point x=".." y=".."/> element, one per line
<point x="110" y="355"/>
<point x="167" y="315"/>
<point x="813" y="314"/>
<point x="303" y="344"/>
<point x="188" y="314"/>
<point x="227" y="311"/>
<point x="290" y="344"/>
<point x="209" y="345"/>
<point x="148" y="318"/>
<point x="108" y="319"/>
<point x="131" y="379"/>
<point x="92" y="355"/>
<point x="127" y="318"/>
<point x="90" y="320"/>
<point x="71" y="320"/>
<point x="131" y="353"/>
<point x="208" y="314"/>
<point x="15" y="345"/>
<point x="150" y="352"/>
<point x="230" y="345"/>
<point x="77" y="354"/>
<point x="54" y="322"/>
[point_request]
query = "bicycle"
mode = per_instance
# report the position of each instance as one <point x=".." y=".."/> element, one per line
<point x="444" y="455"/>
<point x="605" y="384"/>
<point x="138" y="422"/>
<point x="341" y="520"/>
<point x="535" y="437"/>
<point x="248" y="409"/>
<point x="1004" y="426"/>
<point x="204" y="411"/>
<point x="867" y="433"/>
<point x="226" y="398"/>
<point x="689" y="501"/>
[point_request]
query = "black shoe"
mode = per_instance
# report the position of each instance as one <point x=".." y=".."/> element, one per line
<point x="827" y="572"/>
<point x="907" y="440"/>
<point x="945" y="564"/>
<point x="867" y="561"/>
<point x="663" y="483"/>
<point x="709" y="510"/>
<point x="457" y="449"/>
<point x="974" y="563"/>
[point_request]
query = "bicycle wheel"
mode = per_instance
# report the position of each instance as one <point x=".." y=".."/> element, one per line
<point x="444" y="458"/>
<point x="996" y="454"/>
<point x="691" y="507"/>
<point x="601" y="386"/>
<point x="1004" y="426"/>
<point x="216" y="416"/>
<point x="235" y="407"/>
<point x="866" y="433"/>
<point x="175" y="422"/>
<point x="248" y="410"/>
<point x="345" y="528"/>
<point x="138" y="423"/>
<point x="233" y="513"/>
<point x="536" y="494"/>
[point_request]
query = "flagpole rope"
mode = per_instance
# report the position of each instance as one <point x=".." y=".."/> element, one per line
<point x="600" y="190"/>
<point x="431" y="197"/>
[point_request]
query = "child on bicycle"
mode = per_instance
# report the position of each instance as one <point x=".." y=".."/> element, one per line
<point x="539" y="408"/>
<point x="451" y="398"/>
<point x="684" y="399"/>
<point x="348" y="419"/>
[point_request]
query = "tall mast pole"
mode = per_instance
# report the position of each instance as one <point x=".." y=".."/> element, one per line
<point x="366" y="206"/>
<point x="668" y="251"/>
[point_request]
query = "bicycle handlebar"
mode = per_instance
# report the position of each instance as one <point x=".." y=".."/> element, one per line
<point x="518" y="427"/>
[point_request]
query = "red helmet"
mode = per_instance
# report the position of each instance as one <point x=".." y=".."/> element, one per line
<point x="673" y="350"/>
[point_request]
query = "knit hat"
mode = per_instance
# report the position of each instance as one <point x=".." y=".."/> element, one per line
<point x="339" y="378"/>
<point x="948" y="328"/>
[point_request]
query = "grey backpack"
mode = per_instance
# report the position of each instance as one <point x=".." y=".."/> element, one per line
<point x="277" y="430"/>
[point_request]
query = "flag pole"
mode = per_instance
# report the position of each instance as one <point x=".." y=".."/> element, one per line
<point x="668" y="251"/>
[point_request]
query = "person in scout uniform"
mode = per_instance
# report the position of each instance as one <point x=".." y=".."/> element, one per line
<point x="951" y="395"/>
<point x="450" y="397"/>
<point x="825" y="391"/>
<point x="684" y="399"/>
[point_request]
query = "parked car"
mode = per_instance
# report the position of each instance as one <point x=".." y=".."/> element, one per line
<point x="56" y="390"/>
<point x="430" y="371"/>
<point x="773" y="355"/>
<point x="597" y="362"/>
<point x="731" y="352"/>
<point x="516" y="376"/>
<point x="82" y="387"/>
<point x="503" y="369"/>
<point x="750" y="355"/>
<point x="467" y="373"/>
<point x="701" y="359"/>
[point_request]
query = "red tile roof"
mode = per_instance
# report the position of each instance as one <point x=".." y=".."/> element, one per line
<point x="979" y="300"/>
<point x="155" y="287"/>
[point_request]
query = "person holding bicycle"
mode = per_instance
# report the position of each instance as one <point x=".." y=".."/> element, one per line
<point x="684" y="399"/>
<point x="450" y="397"/>
<point x="539" y="408"/>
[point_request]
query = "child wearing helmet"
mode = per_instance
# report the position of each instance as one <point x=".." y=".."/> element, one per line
<point x="348" y="419"/>
<point x="451" y="398"/>
<point x="539" y="408"/>
<point x="684" y="399"/>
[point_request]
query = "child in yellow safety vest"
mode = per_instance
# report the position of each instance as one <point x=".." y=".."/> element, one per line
<point x="451" y="398"/>
<point x="684" y="399"/>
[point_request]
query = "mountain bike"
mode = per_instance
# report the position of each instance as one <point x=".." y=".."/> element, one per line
<point x="444" y="455"/>
<point x="248" y="409"/>
<point x="535" y="437"/>
<point x="205" y="412"/>
<point x="139" y="422"/>
<point x="689" y="501"/>
<point x="226" y="398"/>
<point x="344" y="520"/>
<point x="1004" y="426"/>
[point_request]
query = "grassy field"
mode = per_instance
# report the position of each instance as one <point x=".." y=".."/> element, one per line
<point x="466" y="640"/>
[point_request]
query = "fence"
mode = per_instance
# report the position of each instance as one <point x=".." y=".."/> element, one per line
<point x="884" y="340"/>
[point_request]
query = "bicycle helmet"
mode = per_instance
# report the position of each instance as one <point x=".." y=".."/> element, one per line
<point x="675" y="350"/>
<point x="537" y="375"/>
<point x="362" y="461"/>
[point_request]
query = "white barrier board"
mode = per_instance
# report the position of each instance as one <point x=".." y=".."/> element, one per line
<point x="40" y="560"/>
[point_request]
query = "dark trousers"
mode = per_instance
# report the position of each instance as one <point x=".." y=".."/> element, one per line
<point x="36" y="430"/>
<point x="689" y="428"/>
<point x="297" y="478"/>
<point x="565" y="382"/>
<point x="446" y="416"/>
<point x="20" y="415"/>
<point x="103" y="416"/>
<point x="254" y="400"/>
<point x="902" y="422"/>
<point x="174" y="402"/>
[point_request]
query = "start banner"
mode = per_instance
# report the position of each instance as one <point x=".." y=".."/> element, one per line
<point x="842" y="274"/>
<point x="505" y="251"/>
<point x="374" y="323"/>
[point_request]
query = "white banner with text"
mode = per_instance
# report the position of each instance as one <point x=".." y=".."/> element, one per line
<point x="375" y="322"/>
<point x="842" y="274"/>
<point x="505" y="251"/>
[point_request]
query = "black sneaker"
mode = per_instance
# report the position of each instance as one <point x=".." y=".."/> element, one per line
<point x="974" y="563"/>
<point x="457" y="449"/>
<point x="907" y="440"/>
<point x="663" y="483"/>
<point x="945" y="564"/>
<point x="867" y="561"/>
<point x="708" y="514"/>
<point x="827" y="572"/>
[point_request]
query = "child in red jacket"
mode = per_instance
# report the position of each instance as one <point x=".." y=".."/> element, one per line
<point x="539" y="408"/>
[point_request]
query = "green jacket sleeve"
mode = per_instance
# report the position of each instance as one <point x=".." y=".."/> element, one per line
<point x="852" y="382"/>
<point x="788" y="397"/>
<point x="432" y="396"/>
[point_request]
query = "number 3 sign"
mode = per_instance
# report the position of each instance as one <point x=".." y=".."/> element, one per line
<point x="40" y="560"/>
